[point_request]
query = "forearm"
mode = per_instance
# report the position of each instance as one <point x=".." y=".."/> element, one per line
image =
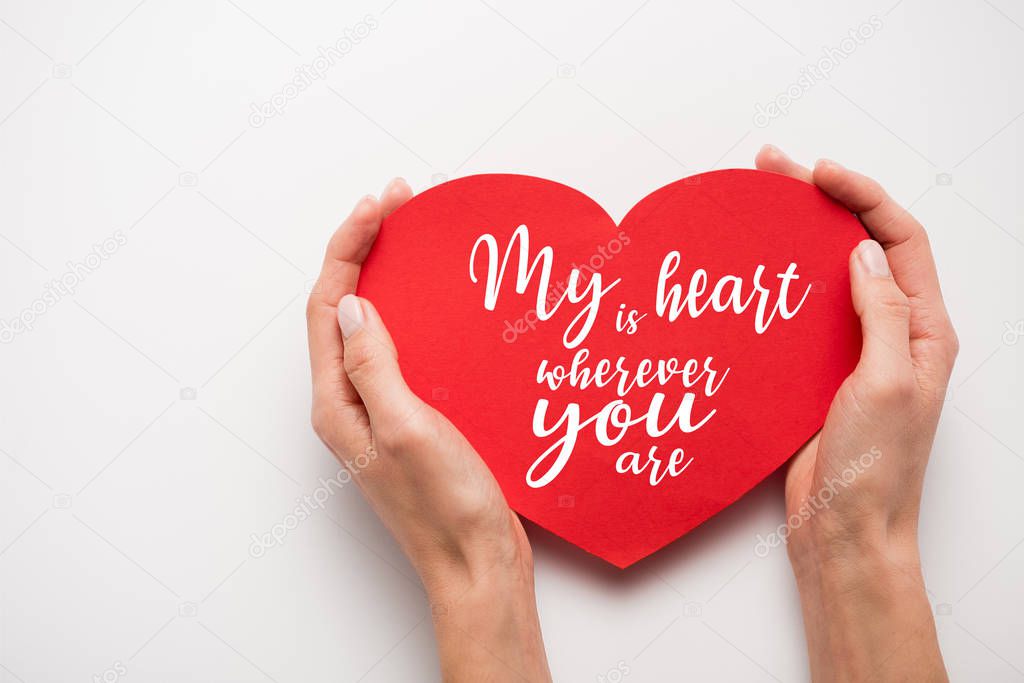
<point x="866" y="614"/>
<point x="487" y="627"/>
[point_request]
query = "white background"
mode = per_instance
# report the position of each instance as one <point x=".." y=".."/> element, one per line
<point x="126" y="510"/>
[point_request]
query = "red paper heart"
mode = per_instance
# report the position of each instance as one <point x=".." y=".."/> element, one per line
<point x="480" y="367"/>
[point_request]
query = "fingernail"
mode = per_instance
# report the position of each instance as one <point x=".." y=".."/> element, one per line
<point x="392" y="185"/>
<point x="827" y="163"/>
<point x="350" y="315"/>
<point x="775" y="150"/>
<point x="364" y="198"/>
<point x="872" y="257"/>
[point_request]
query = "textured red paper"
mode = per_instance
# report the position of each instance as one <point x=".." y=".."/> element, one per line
<point x="468" y="362"/>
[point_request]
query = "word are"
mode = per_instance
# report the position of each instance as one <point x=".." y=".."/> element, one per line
<point x="630" y="462"/>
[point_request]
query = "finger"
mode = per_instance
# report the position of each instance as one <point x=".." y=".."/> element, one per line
<point x="771" y="158"/>
<point x="394" y="195"/>
<point x="906" y="247"/>
<point x="351" y="243"/>
<point x="889" y="223"/>
<point x="371" y="363"/>
<point x="346" y="251"/>
<point x="884" y="312"/>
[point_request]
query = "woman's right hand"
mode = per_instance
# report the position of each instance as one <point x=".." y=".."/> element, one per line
<point x="853" y="493"/>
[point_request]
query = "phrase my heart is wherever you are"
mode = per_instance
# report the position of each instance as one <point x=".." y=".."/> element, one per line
<point x="729" y="294"/>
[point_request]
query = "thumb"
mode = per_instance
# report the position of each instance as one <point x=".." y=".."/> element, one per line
<point x="371" y="363"/>
<point x="884" y="312"/>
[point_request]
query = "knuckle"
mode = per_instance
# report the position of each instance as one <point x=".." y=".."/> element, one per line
<point x="922" y="235"/>
<point x="943" y="342"/>
<point x="320" y="418"/>
<point x="875" y="191"/>
<point x="894" y="391"/>
<point x="903" y="388"/>
<point x="409" y="435"/>
<point x="361" y="359"/>
<point x="893" y="305"/>
<point x="952" y="343"/>
<point x="313" y="302"/>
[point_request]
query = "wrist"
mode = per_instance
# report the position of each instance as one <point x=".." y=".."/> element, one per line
<point x="866" y="573"/>
<point x="865" y="606"/>
<point x="486" y="623"/>
<point x="484" y="608"/>
<point x="852" y="552"/>
<point x="473" y="563"/>
<point x="473" y="581"/>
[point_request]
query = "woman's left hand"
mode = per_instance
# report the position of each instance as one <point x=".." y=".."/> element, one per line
<point x="424" y="480"/>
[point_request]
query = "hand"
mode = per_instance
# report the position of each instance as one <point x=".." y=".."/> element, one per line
<point x="419" y="474"/>
<point x="856" y="557"/>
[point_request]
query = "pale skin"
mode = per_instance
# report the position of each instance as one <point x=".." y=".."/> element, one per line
<point x="856" y="562"/>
